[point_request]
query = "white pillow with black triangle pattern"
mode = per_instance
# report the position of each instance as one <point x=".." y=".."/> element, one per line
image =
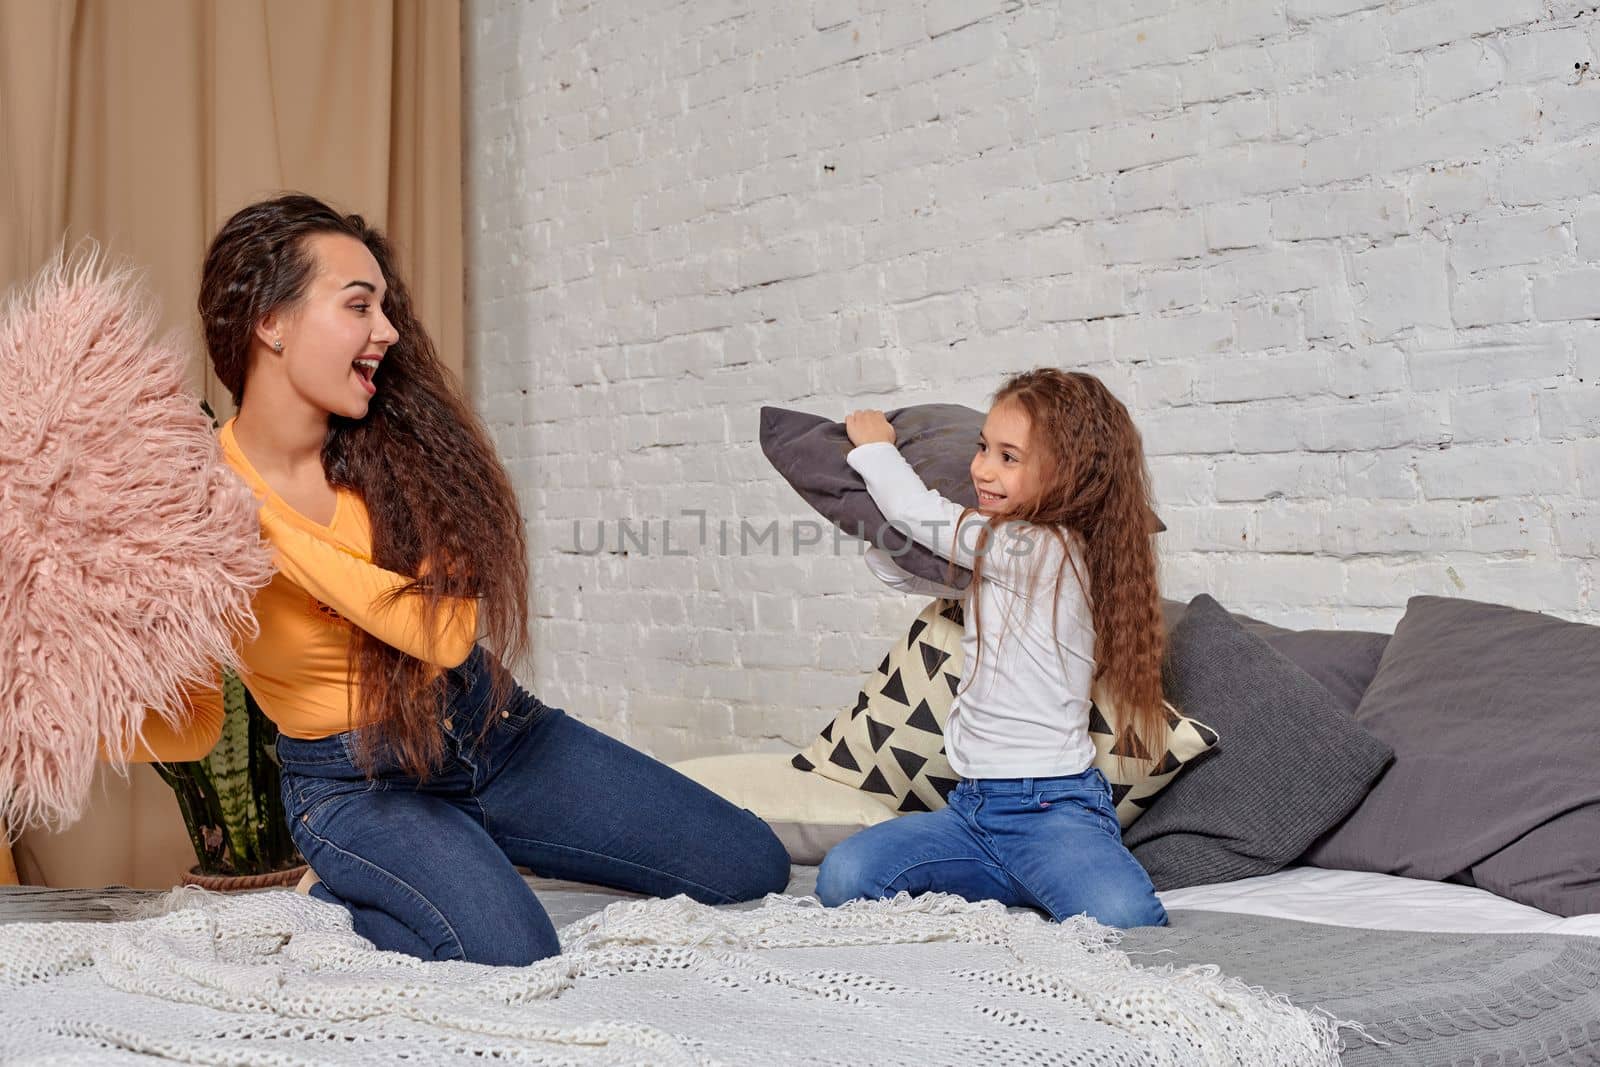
<point x="891" y="743"/>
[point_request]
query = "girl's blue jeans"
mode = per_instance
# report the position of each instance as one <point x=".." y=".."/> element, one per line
<point x="428" y="868"/>
<point x="1046" y="843"/>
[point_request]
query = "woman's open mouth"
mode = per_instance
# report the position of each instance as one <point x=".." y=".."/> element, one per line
<point x="365" y="369"/>
<point x="987" y="499"/>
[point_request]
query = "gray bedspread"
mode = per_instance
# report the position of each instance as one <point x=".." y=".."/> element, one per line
<point x="1485" y="1000"/>
<point x="1431" y="999"/>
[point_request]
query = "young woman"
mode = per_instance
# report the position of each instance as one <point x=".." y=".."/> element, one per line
<point x="416" y="772"/>
<point x="1063" y="592"/>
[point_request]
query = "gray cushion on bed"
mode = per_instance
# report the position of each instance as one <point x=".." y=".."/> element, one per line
<point x="1493" y="716"/>
<point x="1553" y="866"/>
<point x="1291" y="762"/>
<point x="1344" y="661"/>
<point x="938" y="440"/>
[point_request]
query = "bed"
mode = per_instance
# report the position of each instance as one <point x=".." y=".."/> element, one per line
<point x="1268" y="853"/>
<point x="1433" y="973"/>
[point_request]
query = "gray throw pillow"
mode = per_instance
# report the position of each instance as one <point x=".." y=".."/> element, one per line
<point x="1291" y="762"/>
<point x="1493" y="716"/>
<point x="938" y="440"/>
<point x="1344" y="661"/>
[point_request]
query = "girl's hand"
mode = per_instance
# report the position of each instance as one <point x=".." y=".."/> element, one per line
<point x="868" y="427"/>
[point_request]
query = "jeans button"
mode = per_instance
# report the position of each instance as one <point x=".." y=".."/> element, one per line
<point x="505" y="715"/>
<point x="449" y="724"/>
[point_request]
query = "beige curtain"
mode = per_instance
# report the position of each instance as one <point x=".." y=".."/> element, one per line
<point x="145" y="125"/>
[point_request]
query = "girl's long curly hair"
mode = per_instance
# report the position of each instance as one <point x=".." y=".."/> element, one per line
<point x="442" y="508"/>
<point x="1094" y="485"/>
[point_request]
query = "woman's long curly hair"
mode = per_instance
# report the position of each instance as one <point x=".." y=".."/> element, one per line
<point x="1094" y="485"/>
<point x="442" y="508"/>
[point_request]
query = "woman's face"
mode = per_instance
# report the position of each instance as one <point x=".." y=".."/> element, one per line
<point x="335" y="340"/>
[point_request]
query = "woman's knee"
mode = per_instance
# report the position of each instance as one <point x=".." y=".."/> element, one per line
<point x="504" y="940"/>
<point x="764" y="863"/>
<point x="498" y="927"/>
<point x="514" y="941"/>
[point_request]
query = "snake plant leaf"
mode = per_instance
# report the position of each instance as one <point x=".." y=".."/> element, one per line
<point x="229" y="768"/>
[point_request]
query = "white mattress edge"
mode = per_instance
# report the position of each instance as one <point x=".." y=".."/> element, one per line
<point x="1376" y="901"/>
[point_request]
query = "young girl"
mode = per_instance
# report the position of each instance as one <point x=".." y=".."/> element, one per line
<point x="416" y="773"/>
<point x="1063" y="591"/>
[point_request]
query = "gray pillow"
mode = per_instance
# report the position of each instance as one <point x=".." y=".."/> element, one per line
<point x="938" y="440"/>
<point x="1291" y="762"/>
<point x="1344" y="661"/>
<point x="1553" y="866"/>
<point x="1493" y="715"/>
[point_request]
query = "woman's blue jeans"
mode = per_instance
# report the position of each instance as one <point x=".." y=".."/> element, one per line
<point x="428" y="868"/>
<point x="1046" y="843"/>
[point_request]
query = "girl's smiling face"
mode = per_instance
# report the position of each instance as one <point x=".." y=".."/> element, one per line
<point x="1005" y="471"/>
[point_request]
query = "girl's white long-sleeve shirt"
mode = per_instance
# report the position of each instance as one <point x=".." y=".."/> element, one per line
<point x="1023" y="710"/>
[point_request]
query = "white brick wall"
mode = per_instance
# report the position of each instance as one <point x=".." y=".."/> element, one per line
<point x="1341" y="257"/>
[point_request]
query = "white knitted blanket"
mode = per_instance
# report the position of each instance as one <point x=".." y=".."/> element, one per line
<point x="278" y="978"/>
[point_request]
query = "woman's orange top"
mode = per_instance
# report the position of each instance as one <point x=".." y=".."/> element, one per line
<point x="326" y="582"/>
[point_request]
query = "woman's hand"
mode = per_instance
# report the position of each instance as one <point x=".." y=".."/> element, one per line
<point x="868" y="427"/>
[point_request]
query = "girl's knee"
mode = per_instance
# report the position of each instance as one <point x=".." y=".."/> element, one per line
<point x="835" y="881"/>
<point x="846" y="874"/>
<point x="1125" y="911"/>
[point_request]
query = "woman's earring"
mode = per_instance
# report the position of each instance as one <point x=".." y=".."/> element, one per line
<point x="277" y="346"/>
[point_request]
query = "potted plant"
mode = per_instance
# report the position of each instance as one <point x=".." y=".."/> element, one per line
<point x="230" y="800"/>
<point x="231" y="804"/>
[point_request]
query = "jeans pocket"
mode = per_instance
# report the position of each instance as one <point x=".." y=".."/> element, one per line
<point x="1109" y="820"/>
<point x="524" y="708"/>
<point x="311" y="801"/>
<point x="1105" y="806"/>
<point x="1089" y="798"/>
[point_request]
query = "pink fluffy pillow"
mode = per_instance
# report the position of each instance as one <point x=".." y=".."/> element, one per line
<point x="129" y="551"/>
